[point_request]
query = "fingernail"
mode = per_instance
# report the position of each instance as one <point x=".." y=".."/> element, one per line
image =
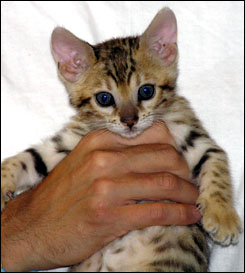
<point x="196" y="213"/>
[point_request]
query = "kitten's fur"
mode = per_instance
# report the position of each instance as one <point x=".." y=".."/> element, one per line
<point x="121" y="66"/>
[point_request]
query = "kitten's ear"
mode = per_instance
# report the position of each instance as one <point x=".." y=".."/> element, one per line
<point x="161" y="36"/>
<point x="73" y="55"/>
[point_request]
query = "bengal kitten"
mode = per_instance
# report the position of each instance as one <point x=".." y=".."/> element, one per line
<point x="125" y="85"/>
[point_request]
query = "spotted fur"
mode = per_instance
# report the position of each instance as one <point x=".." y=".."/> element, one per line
<point x="120" y="66"/>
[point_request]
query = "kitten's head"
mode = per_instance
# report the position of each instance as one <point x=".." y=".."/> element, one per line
<point x="122" y="83"/>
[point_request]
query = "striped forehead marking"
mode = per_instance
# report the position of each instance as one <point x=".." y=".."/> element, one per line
<point x="117" y="56"/>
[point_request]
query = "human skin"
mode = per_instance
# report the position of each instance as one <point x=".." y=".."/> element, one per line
<point x="89" y="199"/>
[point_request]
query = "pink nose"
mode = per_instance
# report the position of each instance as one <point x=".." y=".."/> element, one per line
<point x="130" y="121"/>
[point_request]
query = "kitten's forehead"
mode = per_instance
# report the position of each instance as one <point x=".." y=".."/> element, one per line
<point x="117" y="55"/>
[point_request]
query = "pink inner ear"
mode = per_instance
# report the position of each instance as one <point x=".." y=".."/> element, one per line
<point x="161" y="35"/>
<point x="167" y="52"/>
<point x="71" y="53"/>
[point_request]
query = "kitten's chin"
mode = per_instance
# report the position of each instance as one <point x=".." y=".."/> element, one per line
<point x="128" y="133"/>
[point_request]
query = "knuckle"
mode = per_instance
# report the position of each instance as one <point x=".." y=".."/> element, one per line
<point x="158" y="212"/>
<point x="100" y="159"/>
<point x="103" y="187"/>
<point x="182" y="213"/>
<point x="170" y="152"/>
<point x="150" y="180"/>
<point x="98" y="208"/>
<point x="168" y="181"/>
<point x="91" y="139"/>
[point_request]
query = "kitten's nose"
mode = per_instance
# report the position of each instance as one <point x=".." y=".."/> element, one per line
<point x="130" y="121"/>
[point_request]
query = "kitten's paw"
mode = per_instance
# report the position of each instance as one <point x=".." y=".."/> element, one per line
<point x="8" y="176"/>
<point x="221" y="221"/>
<point x="7" y="191"/>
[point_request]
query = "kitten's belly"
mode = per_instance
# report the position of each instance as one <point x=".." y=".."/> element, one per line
<point x="138" y="250"/>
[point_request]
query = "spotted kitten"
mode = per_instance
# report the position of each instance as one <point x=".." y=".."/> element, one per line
<point x="125" y="85"/>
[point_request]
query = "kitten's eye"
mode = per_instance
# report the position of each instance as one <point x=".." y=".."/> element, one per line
<point x="105" y="99"/>
<point x="146" y="92"/>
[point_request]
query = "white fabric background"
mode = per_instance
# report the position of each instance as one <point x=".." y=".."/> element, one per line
<point x="211" y="43"/>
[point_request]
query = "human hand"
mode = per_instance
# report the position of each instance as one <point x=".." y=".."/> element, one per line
<point x="89" y="200"/>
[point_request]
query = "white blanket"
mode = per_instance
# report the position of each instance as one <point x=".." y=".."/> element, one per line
<point x="211" y="43"/>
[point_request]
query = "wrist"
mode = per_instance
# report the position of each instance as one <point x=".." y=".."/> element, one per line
<point x="14" y="253"/>
<point x="17" y="239"/>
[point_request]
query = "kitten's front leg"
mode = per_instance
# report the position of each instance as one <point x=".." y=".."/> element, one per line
<point x="209" y="166"/>
<point x="28" y="168"/>
<point x="25" y="170"/>
<point x="215" y="201"/>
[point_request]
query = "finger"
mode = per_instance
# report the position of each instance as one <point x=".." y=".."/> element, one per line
<point x="154" y="186"/>
<point x="104" y="139"/>
<point x="157" y="133"/>
<point x="149" y="158"/>
<point x="156" y="214"/>
<point x="97" y="140"/>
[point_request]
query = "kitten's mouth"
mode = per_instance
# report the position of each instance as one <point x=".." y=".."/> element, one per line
<point x="129" y="132"/>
